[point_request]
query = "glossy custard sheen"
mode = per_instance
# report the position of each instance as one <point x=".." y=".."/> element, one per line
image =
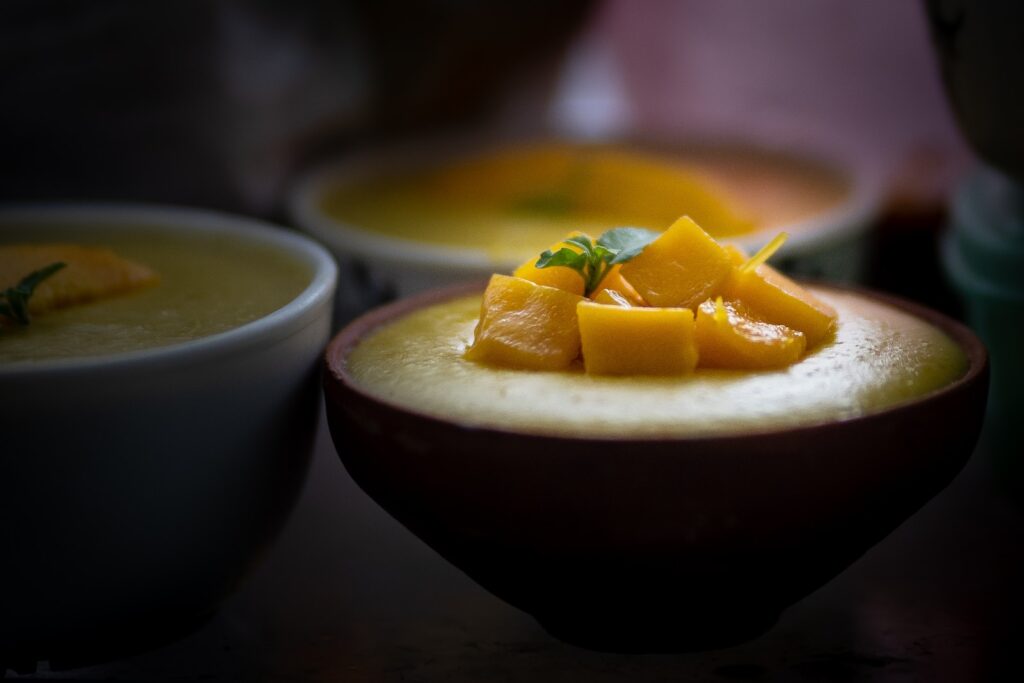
<point x="880" y="357"/>
<point x="208" y="284"/>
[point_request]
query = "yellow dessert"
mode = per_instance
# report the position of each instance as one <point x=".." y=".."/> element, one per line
<point x="526" y="325"/>
<point x="615" y="289"/>
<point x="206" y="284"/>
<point x="87" y="273"/>
<point x="509" y="202"/>
<point x="730" y="336"/>
<point x="880" y="357"/>
<point x="683" y="267"/>
<point x="781" y="300"/>
<point x="627" y="340"/>
<point x="560" y="277"/>
<point x="651" y="304"/>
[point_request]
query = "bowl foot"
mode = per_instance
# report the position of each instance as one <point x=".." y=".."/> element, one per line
<point x="643" y="634"/>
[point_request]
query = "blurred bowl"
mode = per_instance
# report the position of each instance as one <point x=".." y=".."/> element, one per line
<point x="651" y="543"/>
<point x="139" y="487"/>
<point x="983" y="257"/>
<point x="827" y="233"/>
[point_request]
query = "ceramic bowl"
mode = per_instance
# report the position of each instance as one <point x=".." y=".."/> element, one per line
<point x="659" y="544"/>
<point x="830" y="244"/>
<point x="139" y="487"/>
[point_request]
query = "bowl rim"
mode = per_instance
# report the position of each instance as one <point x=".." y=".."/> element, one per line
<point x="849" y="218"/>
<point x="300" y="312"/>
<point x="339" y="347"/>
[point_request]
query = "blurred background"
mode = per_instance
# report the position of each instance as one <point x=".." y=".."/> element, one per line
<point x="221" y="102"/>
<point x="227" y="103"/>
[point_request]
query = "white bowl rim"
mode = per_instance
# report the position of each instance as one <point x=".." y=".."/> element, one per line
<point x="846" y="220"/>
<point x="298" y="313"/>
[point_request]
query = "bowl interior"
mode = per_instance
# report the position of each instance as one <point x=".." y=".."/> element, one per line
<point x="64" y="222"/>
<point x="822" y="229"/>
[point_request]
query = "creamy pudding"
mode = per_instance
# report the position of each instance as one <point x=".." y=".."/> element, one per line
<point x="879" y="357"/>
<point x="510" y="202"/>
<point x="208" y="283"/>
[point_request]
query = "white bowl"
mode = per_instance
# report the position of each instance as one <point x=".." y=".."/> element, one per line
<point x="830" y="245"/>
<point x="139" y="487"/>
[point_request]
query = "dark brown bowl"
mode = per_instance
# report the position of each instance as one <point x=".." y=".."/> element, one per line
<point x="652" y="544"/>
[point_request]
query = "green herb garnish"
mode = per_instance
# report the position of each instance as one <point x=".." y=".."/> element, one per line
<point x="595" y="259"/>
<point x="14" y="300"/>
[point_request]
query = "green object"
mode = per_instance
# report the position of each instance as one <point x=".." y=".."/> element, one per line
<point x="594" y="260"/>
<point x="983" y="255"/>
<point x="14" y="300"/>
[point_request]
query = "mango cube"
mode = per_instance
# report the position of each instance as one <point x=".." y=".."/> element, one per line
<point x="526" y="325"/>
<point x="561" y="277"/>
<point x="681" y="268"/>
<point x="776" y="298"/>
<point x="619" y="340"/>
<point x="610" y="297"/>
<point x="90" y="273"/>
<point x="736" y="254"/>
<point x="730" y="336"/>
<point x="614" y="282"/>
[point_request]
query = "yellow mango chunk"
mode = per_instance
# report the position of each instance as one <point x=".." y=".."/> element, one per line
<point x="526" y="325"/>
<point x="90" y="273"/>
<point x="619" y="340"/>
<point x="729" y="336"/>
<point x="556" y="276"/>
<point x="614" y="282"/>
<point x="736" y="254"/>
<point x="609" y="297"/>
<point x="681" y="268"/>
<point x="775" y="298"/>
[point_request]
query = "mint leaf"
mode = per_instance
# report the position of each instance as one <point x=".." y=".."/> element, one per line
<point x="14" y="300"/>
<point x="626" y="243"/>
<point x="583" y="242"/>
<point x="563" y="257"/>
<point x="594" y="260"/>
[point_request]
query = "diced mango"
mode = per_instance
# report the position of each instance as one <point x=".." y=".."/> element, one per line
<point x="560" y="277"/>
<point x="736" y="254"/>
<point x="774" y="297"/>
<point x="90" y="273"/>
<point x="619" y="340"/>
<point x="614" y="282"/>
<point x="610" y="297"/>
<point x="681" y="268"/>
<point x="729" y="336"/>
<point x="526" y="325"/>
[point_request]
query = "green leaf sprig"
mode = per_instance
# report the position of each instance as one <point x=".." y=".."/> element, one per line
<point x="595" y="259"/>
<point x="14" y="300"/>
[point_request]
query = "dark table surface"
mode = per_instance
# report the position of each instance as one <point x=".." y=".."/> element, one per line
<point x="347" y="594"/>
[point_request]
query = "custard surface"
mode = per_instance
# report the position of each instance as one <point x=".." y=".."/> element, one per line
<point x="880" y="357"/>
<point x="478" y="204"/>
<point x="208" y="284"/>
